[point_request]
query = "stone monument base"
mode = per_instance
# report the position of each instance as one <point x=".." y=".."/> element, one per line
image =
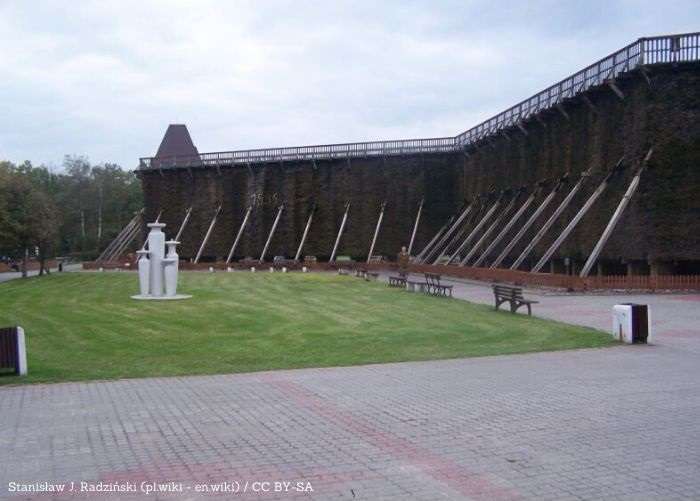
<point x="161" y="298"/>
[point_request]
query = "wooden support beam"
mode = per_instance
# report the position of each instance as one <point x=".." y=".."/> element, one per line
<point x="533" y="217"/>
<point x="183" y="224"/>
<point x="561" y="109"/>
<point x="415" y="226"/>
<point x="474" y="215"/>
<point x="297" y="256"/>
<point x="340" y="233"/>
<point x="376" y="231"/>
<point x="548" y="224"/>
<point x="589" y="103"/>
<point x="208" y="234"/>
<point x="572" y="224"/>
<point x="440" y="244"/>
<point x="488" y="232"/>
<point x="239" y="234"/>
<point x="134" y="221"/>
<point x="272" y="233"/>
<point x="419" y="258"/>
<point x="615" y="89"/>
<point x="479" y="225"/>
<point x="615" y="217"/>
<point x="118" y="251"/>
<point x="507" y="227"/>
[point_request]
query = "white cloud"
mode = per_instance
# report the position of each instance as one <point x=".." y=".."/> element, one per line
<point x="104" y="78"/>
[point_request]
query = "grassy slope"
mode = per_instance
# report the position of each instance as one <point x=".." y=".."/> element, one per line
<point x="84" y="325"/>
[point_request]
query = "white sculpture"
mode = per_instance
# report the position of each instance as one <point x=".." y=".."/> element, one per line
<point x="144" y="272"/>
<point x="158" y="271"/>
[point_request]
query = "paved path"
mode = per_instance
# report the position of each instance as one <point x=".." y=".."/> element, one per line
<point x="618" y="423"/>
<point x="12" y="275"/>
<point x="675" y="317"/>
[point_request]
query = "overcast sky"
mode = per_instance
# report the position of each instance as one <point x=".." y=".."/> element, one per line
<point x="103" y="79"/>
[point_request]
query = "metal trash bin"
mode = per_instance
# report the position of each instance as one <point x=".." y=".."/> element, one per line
<point x="632" y="323"/>
<point x="13" y="350"/>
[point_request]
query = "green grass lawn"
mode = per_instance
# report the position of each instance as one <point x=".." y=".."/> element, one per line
<point x="85" y="326"/>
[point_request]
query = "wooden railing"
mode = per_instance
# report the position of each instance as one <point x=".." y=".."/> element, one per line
<point x="643" y="52"/>
<point x="574" y="282"/>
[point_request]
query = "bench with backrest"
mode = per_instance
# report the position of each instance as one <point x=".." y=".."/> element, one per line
<point x="436" y="288"/>
<point x="512" y="295"/>
<point x="398" y="280"/>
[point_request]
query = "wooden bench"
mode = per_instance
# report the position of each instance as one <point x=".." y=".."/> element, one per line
<point x="398" y="281"/>
<point x="512" y="295"/>
<point x="435" y="288"/>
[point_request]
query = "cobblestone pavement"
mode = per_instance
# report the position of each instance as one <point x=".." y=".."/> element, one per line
<point x="617" y="423"/>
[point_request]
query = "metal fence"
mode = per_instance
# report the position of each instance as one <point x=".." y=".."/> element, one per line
<point x="645" y="51"/>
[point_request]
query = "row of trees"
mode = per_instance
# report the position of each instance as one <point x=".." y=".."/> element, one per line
<point x="74" y="212"/>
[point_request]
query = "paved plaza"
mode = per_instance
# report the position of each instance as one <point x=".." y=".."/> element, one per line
<point x="616" y="423"/>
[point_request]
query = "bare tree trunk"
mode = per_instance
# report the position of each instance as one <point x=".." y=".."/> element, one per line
<point x="25" y="262"/>
<point x="99" y="217"/>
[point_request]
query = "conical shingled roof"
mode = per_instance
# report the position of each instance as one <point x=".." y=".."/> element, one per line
<point x="177" y="143"/>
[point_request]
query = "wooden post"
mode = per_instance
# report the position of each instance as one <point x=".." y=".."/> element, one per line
<point x="415" y="227"/>
<point x="207" y="235"/>
<point x="306" y="232"/>
<point x="615" y="218"/>
<point x="238" y="235"/>
<point x="272" y="232"/>
<point x="548" y="224"/>
<point x="376" y="231"/>
<point x="507" y="227"/>
<point x="476" y="229"/>
<point x="531" y="220"/>
<point x="572" y="224"/>
<point x="340" y="232"/>
<point x="488" y="232"/>
<point x="183" y="224"/>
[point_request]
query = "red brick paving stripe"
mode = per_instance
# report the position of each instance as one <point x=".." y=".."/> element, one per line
<point x="474" y="485"/>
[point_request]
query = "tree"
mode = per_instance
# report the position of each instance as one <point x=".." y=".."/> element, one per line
<point x="77" y="211"/>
